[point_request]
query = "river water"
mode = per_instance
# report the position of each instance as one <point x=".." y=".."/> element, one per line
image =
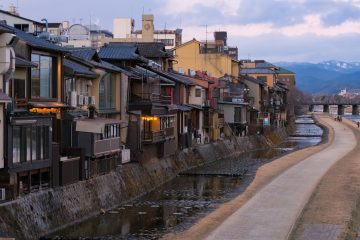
<point x="178" y="204"/>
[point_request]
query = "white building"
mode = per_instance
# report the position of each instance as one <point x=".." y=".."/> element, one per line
<point x="123" y="30"/>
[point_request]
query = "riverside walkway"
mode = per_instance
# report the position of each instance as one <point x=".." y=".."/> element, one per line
<point x="274" y="209"/>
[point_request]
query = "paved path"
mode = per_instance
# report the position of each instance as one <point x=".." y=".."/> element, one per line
<point x="271" y="213"/>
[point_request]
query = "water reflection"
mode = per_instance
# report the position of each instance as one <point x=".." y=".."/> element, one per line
<point x="177" y="204"/>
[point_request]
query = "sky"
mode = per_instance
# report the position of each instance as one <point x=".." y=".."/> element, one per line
<point x="274" y="30"/>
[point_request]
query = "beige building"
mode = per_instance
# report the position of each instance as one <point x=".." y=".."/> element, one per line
<point x="124" y="31"/>
<point x="192" y="56"/>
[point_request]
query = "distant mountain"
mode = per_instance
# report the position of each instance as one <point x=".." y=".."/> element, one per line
<point x="327" y="77"/>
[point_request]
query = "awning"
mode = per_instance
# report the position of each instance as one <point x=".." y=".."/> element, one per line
<point x="20" y="62"/>
<point x="74" y="68"/>
<point x="198" y="107"/>
<point x="180" y="107"/>
<point x="48" y="104"/>
<point x="95" y="125"/>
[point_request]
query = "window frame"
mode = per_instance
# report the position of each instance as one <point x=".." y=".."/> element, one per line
<point x="53" y="75"/>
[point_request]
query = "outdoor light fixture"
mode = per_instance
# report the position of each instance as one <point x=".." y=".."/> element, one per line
<point x="148" y="118"/>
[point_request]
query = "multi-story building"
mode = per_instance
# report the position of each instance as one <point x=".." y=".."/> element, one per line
<point x="24" y="24"/>
<point x="274" y="110"/>
<point x="123" y="30"/>
<point x="194" y="56"/>
<point x="33" y="119"/>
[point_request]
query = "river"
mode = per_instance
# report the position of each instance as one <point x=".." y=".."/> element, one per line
<point x="178" y="204"/>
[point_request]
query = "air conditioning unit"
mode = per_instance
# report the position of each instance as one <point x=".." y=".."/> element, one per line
<point x="92" y="100"/>
<point x="86" y="100"/>
<point x="125" y="155"/>
<point x="80" y="100"/>
<point x="73" y="100"/>
<point x="2" y="194"/>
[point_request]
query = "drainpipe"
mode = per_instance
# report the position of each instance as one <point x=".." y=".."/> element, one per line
<point x="46" y="24"/>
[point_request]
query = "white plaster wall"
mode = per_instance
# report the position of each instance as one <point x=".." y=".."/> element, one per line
<point x="122" y="27"/>
<point x="196" y="100"/>
<point x="229" y="112"/>
<point x="11" y="20"/>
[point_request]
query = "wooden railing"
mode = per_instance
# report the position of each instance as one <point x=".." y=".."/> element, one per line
<point x="154" y="137"/>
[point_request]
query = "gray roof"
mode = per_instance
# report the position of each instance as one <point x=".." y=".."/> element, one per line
<point x="32" y="40"/>
<point x="256" y="71"/>
<point x="119" y="53"/>
<point x="92" y="57"/>
<point x="87" y="54"/>
<point x="144" y="49"/>
<point x="77" y="69"/>
<point x="176" y="77"/>
<point x="20" y="62"/>
<point x="162" y="78"/>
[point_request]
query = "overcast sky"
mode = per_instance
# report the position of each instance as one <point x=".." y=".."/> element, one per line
<point x="274" y="30"/>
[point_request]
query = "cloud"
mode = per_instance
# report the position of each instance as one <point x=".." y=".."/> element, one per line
<point x="311" y="25"/>
<point x="226" y="7"/>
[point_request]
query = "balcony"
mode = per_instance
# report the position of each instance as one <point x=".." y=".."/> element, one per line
<point x="150" y="97"/>
<point x="106" y="146"/>
<point x="170" y="132"/>
<point x="233" y="98"/>
<point x="154" y="137"/>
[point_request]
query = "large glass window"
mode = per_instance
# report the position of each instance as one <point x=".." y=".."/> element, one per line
<point x="107" y="91"/>
<point x="43" y="77"/>
<point x="30" y="143"/>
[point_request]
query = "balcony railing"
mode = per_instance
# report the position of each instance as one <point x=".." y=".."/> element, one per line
<point x="106" y="146"/>
<point x="169" y="132"/>
<point x="154" y="137"/>
<point x="151" y="97"/>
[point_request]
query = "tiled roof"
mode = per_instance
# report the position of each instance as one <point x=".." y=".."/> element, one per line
<point x="91" y="56"/>
<point x="33" y="40"/>
<point x="177" y="77"/>
<point x="152" y="50"/>
<point x="78" y="69"/>
<point x="256" y="71"/>
<point x="146" y="49"/>
<point x="119" y="53"/>
<point x="87" y="54"/>
<point x="5" y="28"/>
<point x="162" y="78"/>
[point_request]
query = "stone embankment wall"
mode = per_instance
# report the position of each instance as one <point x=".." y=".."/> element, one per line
<point x="38" y="214"/>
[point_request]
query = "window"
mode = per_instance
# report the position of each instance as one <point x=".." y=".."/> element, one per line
<point x="30" y="143"/>
<point x="43" y="77"/>
<point x="197" y="92"/>
<point x="166" y="122"/>
<point x="112" y="131"/>
<point x="237" y="117"/>
<point x="19" y="88"/>
<point x="167" y="42"/>
<point x="107" y="91"/>
<point x="22" y="27"/>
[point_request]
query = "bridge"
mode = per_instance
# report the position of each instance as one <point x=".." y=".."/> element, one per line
<point x="340" y="103"/>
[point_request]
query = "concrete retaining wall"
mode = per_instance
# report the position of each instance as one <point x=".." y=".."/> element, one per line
<point x="40" y="213"/>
